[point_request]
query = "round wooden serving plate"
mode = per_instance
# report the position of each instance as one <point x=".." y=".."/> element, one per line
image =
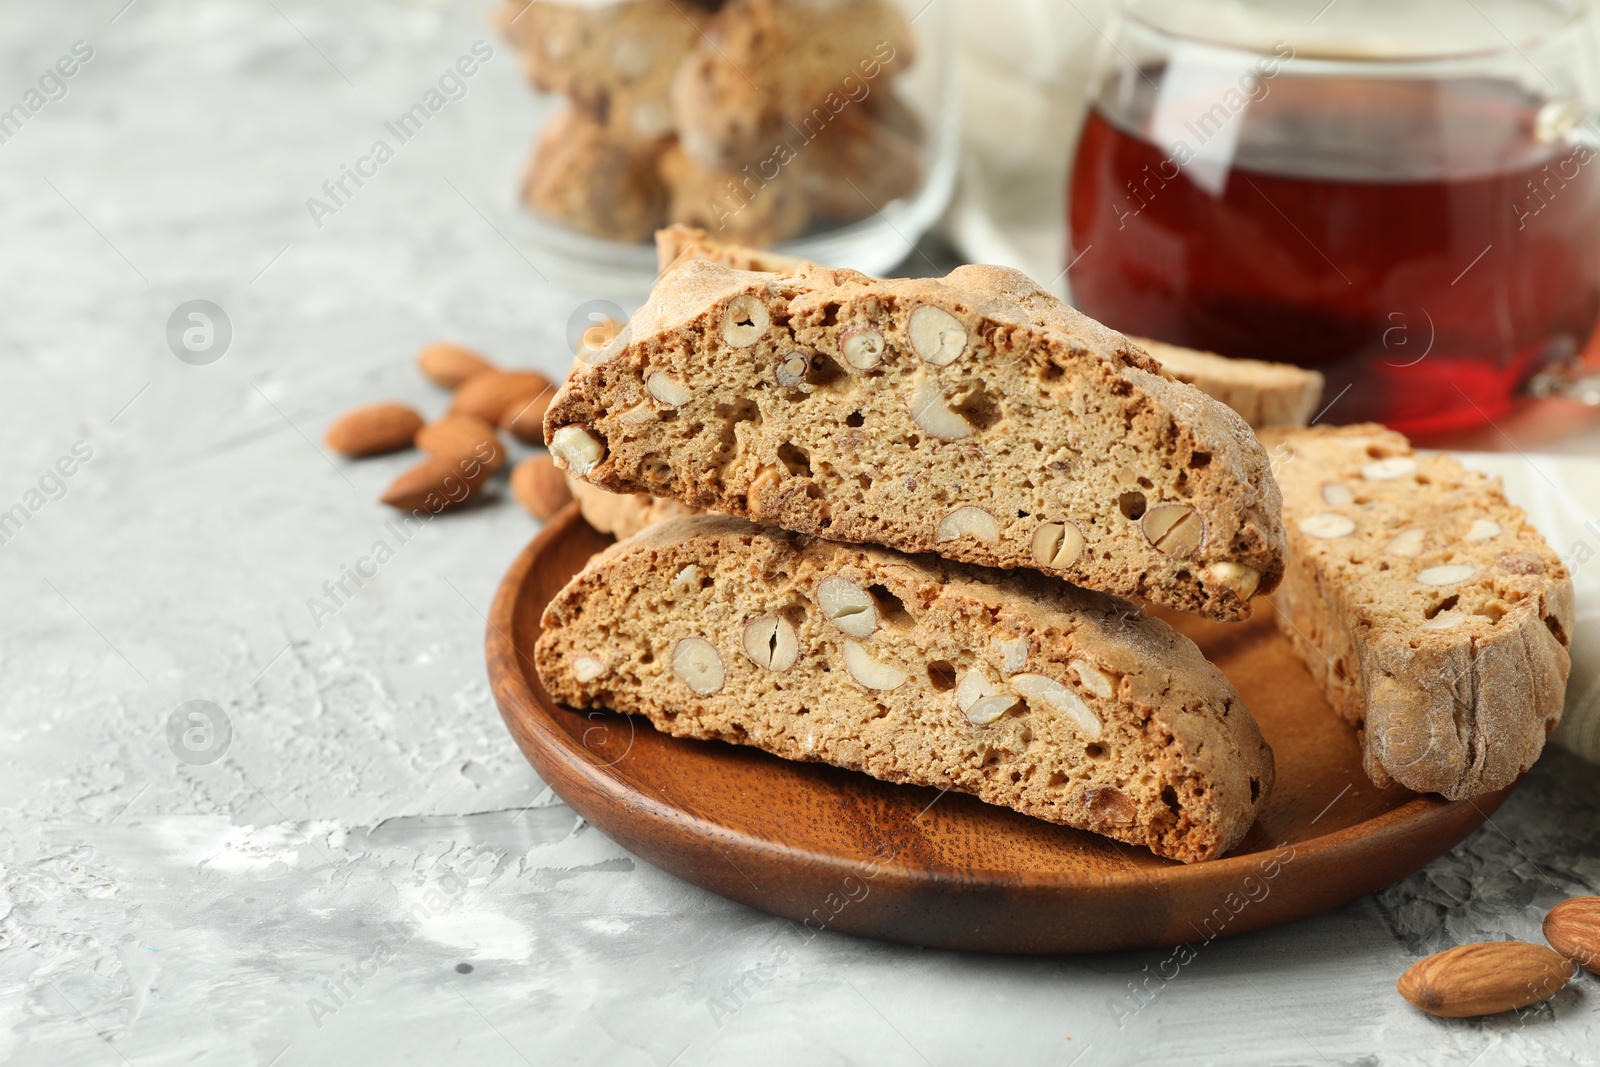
<point x="838" y="850"/>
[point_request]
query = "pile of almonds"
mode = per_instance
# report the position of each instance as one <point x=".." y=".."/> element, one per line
<point x="463" y="447"/>
<point x="1495" y="976"/>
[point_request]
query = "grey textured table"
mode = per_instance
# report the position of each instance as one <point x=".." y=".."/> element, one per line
<point x="369" y="872"/>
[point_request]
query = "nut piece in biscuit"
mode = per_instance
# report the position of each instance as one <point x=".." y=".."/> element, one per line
<point x="769" y="642"/>
<point x="870" y="672"/>
<point x="1235" y="576"/>
<point x="968" y="522"/>
<point x="1384" y="470"/>
<point x="668" y="389"/>
<point x="861" y="347"/>
<point x="930" y="412"/>
<point x="588" y="668"/>
<point x="1175" y="529"/>
<point x="1337" y="495"/>
<point x="1449" y="574"/>
<point x="979" y="700"/>
<point x="745" y="321"/>
<point x="577" y="449"/>
<point x="1057" y="544"/>
<point x="1094" y="679"/>
<point x="697" y="664"/>
<point x="1327" y="526"/>
<point x="936" y="335"/>
<point x="1052" y="694"/>
<point x="848" y="606"/>
<point x="1407" y="544"/>
<point x="792" y="370"/>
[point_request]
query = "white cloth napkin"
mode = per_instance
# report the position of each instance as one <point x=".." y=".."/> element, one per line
<point x="1025" y="73"/>
<point x="1561" y="495"/>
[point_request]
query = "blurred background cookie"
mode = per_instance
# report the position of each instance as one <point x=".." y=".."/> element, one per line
<point x="595" y="182"/>
<point x="735" y="205"/>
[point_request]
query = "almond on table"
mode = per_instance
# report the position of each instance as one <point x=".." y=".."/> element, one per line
<point x="525" y="420"/>
<point x="436" y="485"/>
<point x="451" y="365"/>
<point x="459" y="436"/>
<point x="974" y="416"/>
<point x="1024" y="691"/>
<point x="491" y="395"/>
<point x="540" y="487"/>
<point x="374" y="429"/>
<point x="1485" y="978"/>
<point x="1435" y="617"/>
<point x="1573" y="929"/>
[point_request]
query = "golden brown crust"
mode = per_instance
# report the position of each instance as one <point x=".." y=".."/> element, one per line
<point x="1044" y="418"/>
<point x="1151" y="745"/>
<point x="1437" y="619"/>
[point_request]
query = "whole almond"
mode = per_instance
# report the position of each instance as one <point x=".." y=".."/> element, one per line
<point x="1573" y="929"/>
<point x="525" y="421"/>
<point x="451" y="365"/>
<point x="460" y="436"/>
<point x="436" y="485"/>
<point x="540" y="486"/>
<point x="489" y="395"/>
<point x="374" y="429"/>
<point x="1485" y="978"/>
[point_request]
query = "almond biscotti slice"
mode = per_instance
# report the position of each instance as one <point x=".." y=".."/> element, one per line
<point x="1436" y="618"/>
<point x="1023" y="691"/>
<point x="973" y="416"/>
<point x="1265" y="394"/>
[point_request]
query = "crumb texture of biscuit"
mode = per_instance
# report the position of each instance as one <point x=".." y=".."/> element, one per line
<point x="1435" y="617"/>
<point x="1264" y="394"/>
<point x="975" y="417"/>
<point x="1060" y="703"/>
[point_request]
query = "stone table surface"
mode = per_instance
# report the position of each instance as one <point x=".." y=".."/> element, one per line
<point x="355" y="864"/>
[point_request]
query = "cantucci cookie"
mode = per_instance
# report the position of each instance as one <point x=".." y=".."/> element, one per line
<point x="1266" y="394"/>
<point x="622" y="514"/>
<point x="973" y="416"/>
<point x="857" y="167"/>
<point x="740" y="206"/>
<point x="615" y="59"/>
<point x="771" y="69"/>
<point x="581" y="175"/>
<point x="1023" y="691"/>
<point x="1436" y="618"/>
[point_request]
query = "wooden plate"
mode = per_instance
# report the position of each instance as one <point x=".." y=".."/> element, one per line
<point x="839" y="850"/>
